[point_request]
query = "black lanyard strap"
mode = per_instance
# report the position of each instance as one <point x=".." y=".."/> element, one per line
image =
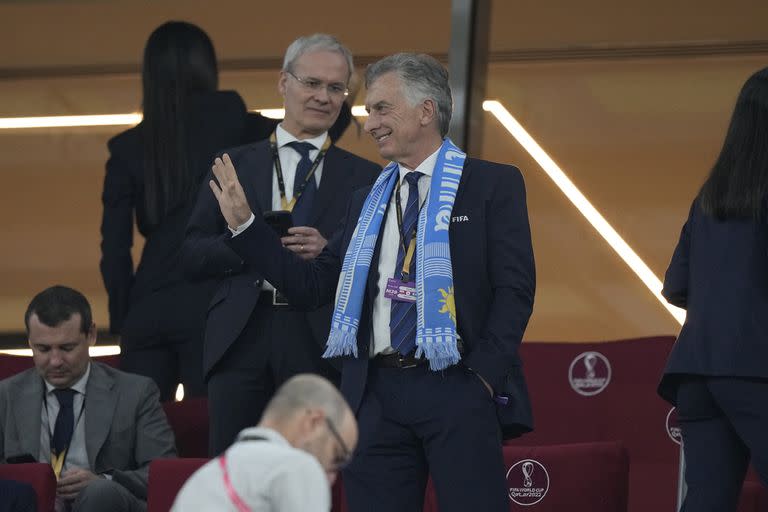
<point x="288" y="206"/>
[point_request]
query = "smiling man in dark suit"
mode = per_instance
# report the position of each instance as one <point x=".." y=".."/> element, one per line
<point x="98" y="427"/>
<point x="255" y="339"/>
<point x="429" y="313"/>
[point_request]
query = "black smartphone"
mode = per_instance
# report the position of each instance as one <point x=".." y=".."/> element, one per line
<point x="24" y="458"/>
<point x="280" y="221"/>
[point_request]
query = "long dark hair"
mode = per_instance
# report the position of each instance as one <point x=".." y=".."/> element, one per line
<point x="738" y="184"/>
<point x="179" y="59"/>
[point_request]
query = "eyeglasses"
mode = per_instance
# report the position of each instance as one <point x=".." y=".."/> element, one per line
<point x="335" y="89"/>
<point x="346" y="454"/>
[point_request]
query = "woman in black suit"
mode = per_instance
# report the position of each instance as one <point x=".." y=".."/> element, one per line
<point x="153" y="172"/>
<point x="717" y="373"/>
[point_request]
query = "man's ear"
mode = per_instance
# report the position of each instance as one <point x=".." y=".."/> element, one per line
<point x="281" y="83"/>
<point x="428" y="112"/>
<point x="92" y="335"/>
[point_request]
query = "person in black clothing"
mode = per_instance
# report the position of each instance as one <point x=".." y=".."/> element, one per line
<point x="154" y="172"/>
<point x="717" y="373"/>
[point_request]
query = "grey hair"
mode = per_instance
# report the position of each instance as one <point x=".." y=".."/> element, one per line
<point x="313" y="43"/>
<point x="423" y="78"/>
<point x="307" y="391"/>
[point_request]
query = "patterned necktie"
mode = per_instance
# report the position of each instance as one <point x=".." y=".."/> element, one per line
<point x="402" y="317"/>
<point x="65" y="421"/>
<point x="303" y="206"/>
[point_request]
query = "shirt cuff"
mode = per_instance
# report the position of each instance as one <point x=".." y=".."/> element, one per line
<point x="242" y="227"/>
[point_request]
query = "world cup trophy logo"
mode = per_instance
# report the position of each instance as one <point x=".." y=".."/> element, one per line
<point x="589" y="373"/>
<point x="590" y="360"/>
<point x="527" y="468"/>
<point x="528" y="482"/>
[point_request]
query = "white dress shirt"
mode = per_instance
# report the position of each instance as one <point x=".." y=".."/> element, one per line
<point x="77" y="456"/>
<point x="390" y="244"/>
<point x="269" y="476"/>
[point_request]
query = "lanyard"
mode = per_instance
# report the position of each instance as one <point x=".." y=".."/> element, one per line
<point x="235" y="498"/>
<point x="279" y="171"/>
<point x="58" y="459"/>
<point x="408" y="248"/>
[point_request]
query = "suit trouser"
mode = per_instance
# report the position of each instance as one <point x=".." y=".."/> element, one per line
<point x="724" y="423"/>
<point x="168" y="364"/>
<point x="102" y="495"/>
<point x="416" y="423"/>
<point x="276" y="344"/>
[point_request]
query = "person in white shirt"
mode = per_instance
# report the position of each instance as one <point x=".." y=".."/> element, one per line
<point x="287" y="462"/>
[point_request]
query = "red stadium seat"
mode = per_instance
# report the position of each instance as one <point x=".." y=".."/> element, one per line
<point x="588" y="477"/>
<point x="39" y="476"/>
<point x="189" y="422"/>
<point x="11" y="365"/>
<point x="618" y="403"/>
<point x="166" y="477"/>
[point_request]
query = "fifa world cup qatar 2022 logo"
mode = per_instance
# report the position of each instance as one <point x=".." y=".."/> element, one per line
<point x="528" y="482"/>
<point x="589" y="373"/>
<point x="673" y="427"/>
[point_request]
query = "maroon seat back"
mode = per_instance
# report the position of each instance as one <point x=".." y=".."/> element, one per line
<point x="189" y="422"/>
<point x="39" y="476"/>
<point x="166" y="477"/>
<point x="588" y="477"/>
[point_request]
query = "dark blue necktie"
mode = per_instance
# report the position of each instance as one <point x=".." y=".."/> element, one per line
<point x="65" y="421"/>
<point x="402" y="318"/>
<point x="303" y="206"/>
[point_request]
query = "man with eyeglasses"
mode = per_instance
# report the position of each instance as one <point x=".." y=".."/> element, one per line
<point x="255" y="339"/>
<point x="284" y="464"/>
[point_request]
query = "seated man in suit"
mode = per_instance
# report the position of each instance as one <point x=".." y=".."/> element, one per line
<point x="98" y="427"/>
<point x="287" y="462"/>
<point x="433" y="276"/>
<point x="255" y="339"/>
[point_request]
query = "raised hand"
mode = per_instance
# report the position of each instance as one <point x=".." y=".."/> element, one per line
<point x="229" y="193"/>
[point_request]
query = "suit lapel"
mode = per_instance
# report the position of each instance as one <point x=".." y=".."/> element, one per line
<point x="330" y="184"/>
<point x="100" y="403"/>
<point x="29" y="412"/>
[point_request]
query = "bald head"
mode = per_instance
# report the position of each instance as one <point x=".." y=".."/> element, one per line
<point x="306" y="392"/>
<point x="311" y="415"/>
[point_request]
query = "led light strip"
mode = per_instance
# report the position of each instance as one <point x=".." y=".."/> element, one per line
<point x="617" y="243"/>
<point x="100" y="350"/>
<point x="17" y="123"/>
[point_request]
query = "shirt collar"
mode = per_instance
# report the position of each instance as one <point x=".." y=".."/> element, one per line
<point x="426" y="167"/>
<point x="267" y="433"/>
<point x="78" y="386"/>
<point x="283" y="138"/>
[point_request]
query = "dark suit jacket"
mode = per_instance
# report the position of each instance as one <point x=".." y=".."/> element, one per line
<point x="156" y="303"/>
<point x="207" y="256"/>
<point x="719" y="274"/>
<point x="125" y="426"/>
<point x="493" y="272"/>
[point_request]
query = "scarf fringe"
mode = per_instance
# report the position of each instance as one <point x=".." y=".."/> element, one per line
<point x="341" y="343"/>
<point x="440" y="355"/>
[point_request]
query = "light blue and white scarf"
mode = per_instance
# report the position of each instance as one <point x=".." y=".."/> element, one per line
<point x="435" y="303"/>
